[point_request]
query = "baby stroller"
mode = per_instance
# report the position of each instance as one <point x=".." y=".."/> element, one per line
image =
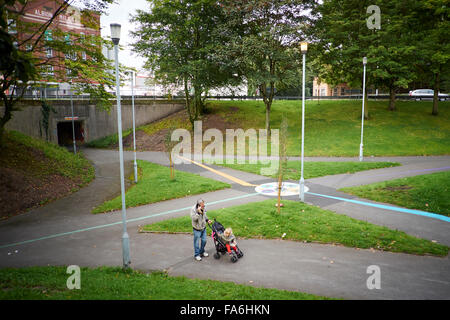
<point x="217" y="228"/>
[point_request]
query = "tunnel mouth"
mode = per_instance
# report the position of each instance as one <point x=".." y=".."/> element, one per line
<point x="65" y="133"/>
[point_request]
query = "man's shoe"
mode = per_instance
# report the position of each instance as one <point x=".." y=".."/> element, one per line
<point x="198" y="258"/>
<point x="204" y="254"/>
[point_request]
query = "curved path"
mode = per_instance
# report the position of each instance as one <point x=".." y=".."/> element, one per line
<point x="65" y="232"/>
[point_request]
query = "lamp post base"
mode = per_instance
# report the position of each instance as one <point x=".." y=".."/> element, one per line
<point x="302" y="189"/>
<point x="126" y="250"/>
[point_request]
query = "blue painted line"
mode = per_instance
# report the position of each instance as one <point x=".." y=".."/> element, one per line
<point x="120" y="222"/>
<point x="382" y="206"/>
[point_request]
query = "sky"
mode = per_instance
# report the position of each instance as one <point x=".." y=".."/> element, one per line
<point x="120" y="12"/>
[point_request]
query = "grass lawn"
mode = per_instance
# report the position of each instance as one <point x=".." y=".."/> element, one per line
<point x="313" y="169"/>
<point x="302" y="222"/>
<point x="107" y="283"/>
<point x="333" y="127"/>
<point x="429" y="192"/>
<point x="156" y="185"/>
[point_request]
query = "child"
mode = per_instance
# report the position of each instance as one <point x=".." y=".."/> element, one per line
<point x="230" y="240"/>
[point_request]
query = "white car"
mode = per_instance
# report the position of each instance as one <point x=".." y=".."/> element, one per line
<point x="427" y="94"/>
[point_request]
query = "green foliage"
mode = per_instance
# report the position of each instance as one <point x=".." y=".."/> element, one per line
<point x="46" y="108"/>
<point x="264" y="43"/>
<point x="183" y="51"/>
<point x="25" y="58"/>
<point x="411" y="43"/>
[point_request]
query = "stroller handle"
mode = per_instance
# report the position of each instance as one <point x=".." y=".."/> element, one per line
<point x="209" y="224"/>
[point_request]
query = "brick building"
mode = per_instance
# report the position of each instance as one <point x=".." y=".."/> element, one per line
<point x="72" y="24"/>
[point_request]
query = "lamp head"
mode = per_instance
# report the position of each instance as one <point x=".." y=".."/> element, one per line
<point x="115" y="33"/>
<point x="364" y="60"/>
<point x="304" y="47"/>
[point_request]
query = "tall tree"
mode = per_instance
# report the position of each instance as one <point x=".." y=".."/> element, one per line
<point x="264" y="46"/>
<point x="34" y="52"/>
<point x="179" y="39"/>
<point x="433" y="44"/>
<point x="343" y="38"/>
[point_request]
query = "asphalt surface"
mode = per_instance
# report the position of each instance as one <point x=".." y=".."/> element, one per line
<point x="65" y="232"/>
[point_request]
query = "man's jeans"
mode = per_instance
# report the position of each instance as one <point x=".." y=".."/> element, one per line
<point x="199" y="235"/>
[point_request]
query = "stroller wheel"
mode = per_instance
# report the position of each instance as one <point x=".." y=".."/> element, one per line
<point x="240" y="254"/>
<point x="216" y="256"/>
<point x="234" y="259"/>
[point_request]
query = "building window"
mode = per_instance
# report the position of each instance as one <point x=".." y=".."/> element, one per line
<point x="47" y="71"/>
<point x="48" y="35"/>
<point x="49" y="52"/>
<point x="335" y="92"/>
<point x="342" y="91"/>
<point x="12" y="26"/>
<point x="71" y="56"/>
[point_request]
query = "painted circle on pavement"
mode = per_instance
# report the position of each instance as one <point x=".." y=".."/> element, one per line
<point x="287" y="189"/>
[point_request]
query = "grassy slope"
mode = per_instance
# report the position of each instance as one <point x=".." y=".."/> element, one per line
<point x="155" y="185"/>
<point x="333" y="128"/>
<point x="302" y="222"/>
<point x="34" y="172"/>
<point x="108" y="283"/>
<point x="428" y="192"/>
<point x="59" y="159"/>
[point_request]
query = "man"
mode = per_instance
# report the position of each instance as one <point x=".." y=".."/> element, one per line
<point x="199" y="219"/>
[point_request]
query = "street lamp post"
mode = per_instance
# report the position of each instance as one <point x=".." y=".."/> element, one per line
<point x="73" y="122"/>
<point x="115" y="37"/>
<point x="134" y="127"/>
<point x="304" y="49"/>
<point x="362" y="116"/>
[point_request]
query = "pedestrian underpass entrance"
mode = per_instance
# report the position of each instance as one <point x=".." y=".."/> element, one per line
<point x="65" y="133"/>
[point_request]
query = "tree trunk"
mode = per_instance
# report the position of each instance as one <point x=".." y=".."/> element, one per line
<point x="268" y="118"/>
<point x="5" y="118"/>
<point x="189" y="110"/>
<point x="280" y="184"/>
<point x="171" y="166"/>
<point x="391" y="99"/>
<point x="267" y="102"/>
<point x="436" y="88"/>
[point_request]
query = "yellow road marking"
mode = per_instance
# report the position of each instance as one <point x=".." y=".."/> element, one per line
<point x="226" y="176"/>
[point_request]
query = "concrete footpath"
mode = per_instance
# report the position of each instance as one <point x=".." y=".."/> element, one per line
<point x="65" y="232"/>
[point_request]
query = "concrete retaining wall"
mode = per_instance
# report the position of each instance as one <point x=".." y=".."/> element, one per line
<point x="96" y="123"/>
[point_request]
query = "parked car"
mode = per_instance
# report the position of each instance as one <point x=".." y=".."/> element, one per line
<point x="421" y="94"/>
